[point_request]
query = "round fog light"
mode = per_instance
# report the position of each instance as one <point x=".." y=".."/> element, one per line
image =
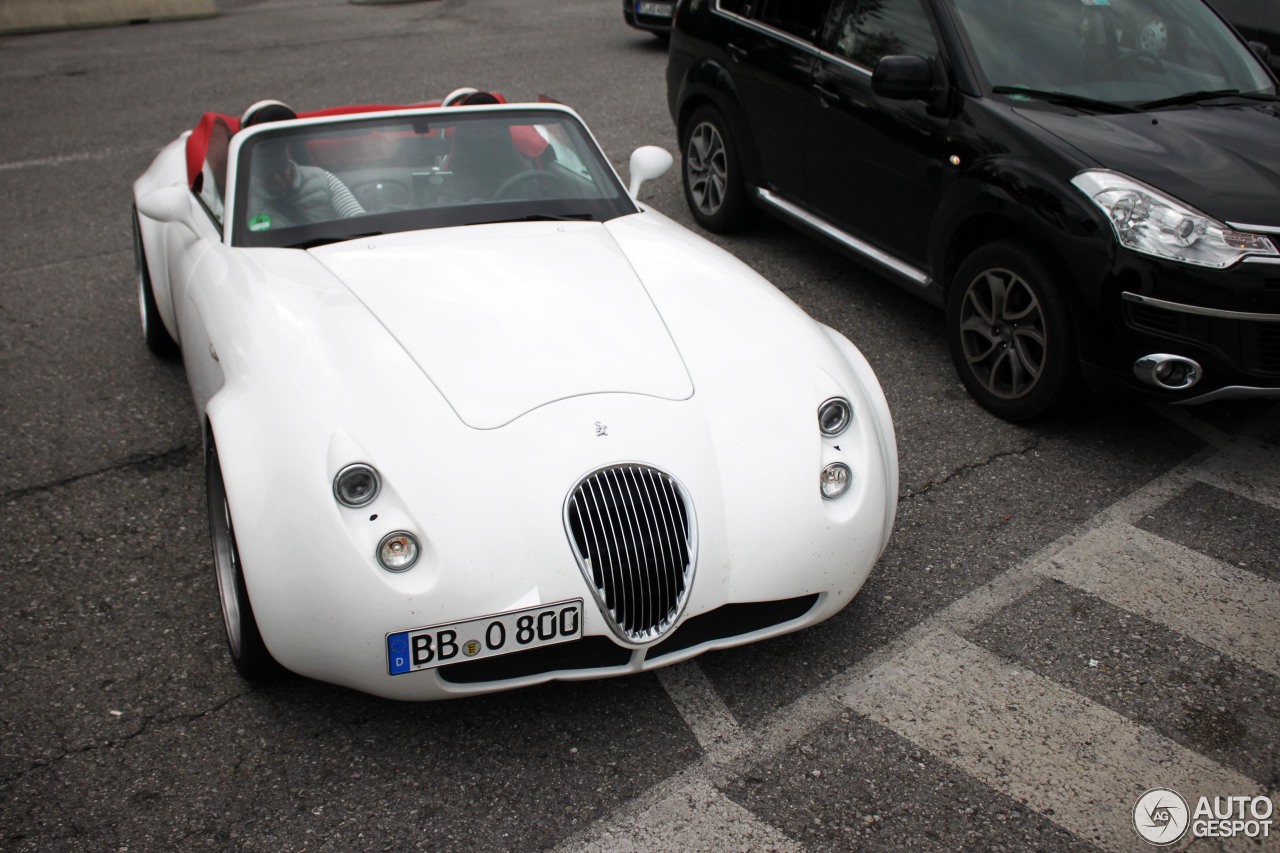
<point x="835" y="480"/>
<point x="833" y="416"/>
<point x="356" y="485"/>
<point x="398" y="551"/>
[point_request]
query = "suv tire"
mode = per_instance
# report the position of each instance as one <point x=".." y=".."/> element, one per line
<point x="713" y="182"/>
<point x="1010" y="334"/>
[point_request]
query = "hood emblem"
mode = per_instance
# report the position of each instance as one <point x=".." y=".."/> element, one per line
<point x="602" y="430"/>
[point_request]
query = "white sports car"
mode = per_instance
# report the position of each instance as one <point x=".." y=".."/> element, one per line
<point x="475" y="418"/>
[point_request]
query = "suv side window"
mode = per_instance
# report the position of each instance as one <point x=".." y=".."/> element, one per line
<point x="801" y="18"/>
<point x="866" y="30"/>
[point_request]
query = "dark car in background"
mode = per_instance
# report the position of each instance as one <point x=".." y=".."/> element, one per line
<point x="653" y="16"/>
<point x="1084" y="202"/>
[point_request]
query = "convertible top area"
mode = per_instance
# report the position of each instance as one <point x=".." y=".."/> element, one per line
<point x="295" y="180"/>
<point x="215" y="129"/>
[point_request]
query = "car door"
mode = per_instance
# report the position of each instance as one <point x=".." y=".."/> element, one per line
<point x="771" y="53"/>
<point x="874" y="166"/>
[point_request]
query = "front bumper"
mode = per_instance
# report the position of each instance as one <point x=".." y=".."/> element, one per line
<point x="1225" y="321"/>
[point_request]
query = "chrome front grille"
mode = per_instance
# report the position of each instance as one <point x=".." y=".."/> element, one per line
<point x="633" y="532"/>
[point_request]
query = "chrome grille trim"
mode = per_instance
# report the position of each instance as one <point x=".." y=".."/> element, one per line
<point x="634" y="534"/>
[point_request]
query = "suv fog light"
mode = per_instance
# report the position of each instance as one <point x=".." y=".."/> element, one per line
<point x="1174" y="372"/>
<point x="398" y="551"/>
<point x="835" y="480"/>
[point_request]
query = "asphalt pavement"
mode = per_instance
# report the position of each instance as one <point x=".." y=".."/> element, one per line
<point x="1068" y="615"/>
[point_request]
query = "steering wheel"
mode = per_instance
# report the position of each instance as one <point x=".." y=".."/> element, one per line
<point x="508" y="187"/>
<point x="1135" y="55"/>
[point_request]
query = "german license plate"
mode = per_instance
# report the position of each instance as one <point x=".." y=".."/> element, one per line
<point x="484" y="637"/>
<point x="657" y="10"/>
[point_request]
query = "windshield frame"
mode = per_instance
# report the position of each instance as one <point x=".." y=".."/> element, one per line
<point x="614" y="200"/>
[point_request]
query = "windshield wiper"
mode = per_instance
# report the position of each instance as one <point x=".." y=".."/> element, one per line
<point x="1204" y="95"/>
<point x="537" y="217"/>
<point x="1063" y="98"/>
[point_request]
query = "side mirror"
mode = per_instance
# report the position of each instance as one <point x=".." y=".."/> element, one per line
<point x="903" y="78"/>
<point x="166" y="204"/>
<point x="648" y="162"/>
<point x="1263" y="52"/>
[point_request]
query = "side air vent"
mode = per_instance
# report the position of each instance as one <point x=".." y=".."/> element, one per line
<point x="634" y="535"/>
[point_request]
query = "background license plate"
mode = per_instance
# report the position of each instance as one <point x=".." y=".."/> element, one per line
<point x="485" y="637"/>
<point x="659" y="10"/>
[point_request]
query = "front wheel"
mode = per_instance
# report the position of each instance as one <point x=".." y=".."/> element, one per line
<point x="248" y="651"/>
<point x="714" y="185"/>
<point x="1009" y="330"/>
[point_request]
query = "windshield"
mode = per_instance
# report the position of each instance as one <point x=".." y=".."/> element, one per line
<point x="322" y="183"/>
<point x="1126" y="52"/>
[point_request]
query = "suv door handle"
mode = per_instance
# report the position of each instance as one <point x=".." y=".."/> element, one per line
<point x="738" y="53"/>
<point x="826" y="96"/>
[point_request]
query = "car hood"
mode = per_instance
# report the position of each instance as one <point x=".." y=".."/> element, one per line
<point x="506" y="318"/>
<point x="1220" y="159"/>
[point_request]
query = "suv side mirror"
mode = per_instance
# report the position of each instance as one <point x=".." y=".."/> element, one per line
<point x="1263" y="52"/>
<point x="903" y="78"/>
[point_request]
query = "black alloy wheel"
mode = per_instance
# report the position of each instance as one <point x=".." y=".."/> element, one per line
<point x="713" y="182"/>
<point x="1010" y="334"/>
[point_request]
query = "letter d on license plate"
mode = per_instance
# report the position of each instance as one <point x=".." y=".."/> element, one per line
<point x="484" y="637"/>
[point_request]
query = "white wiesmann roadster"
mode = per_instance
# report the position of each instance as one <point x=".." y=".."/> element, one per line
<point x="475" y="418"/>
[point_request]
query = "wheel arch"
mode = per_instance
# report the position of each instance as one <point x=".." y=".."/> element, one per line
<point x="710" y="83"/>
<point x="1018" y="202"/>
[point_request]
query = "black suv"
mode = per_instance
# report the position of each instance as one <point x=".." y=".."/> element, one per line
<point x="1090" y="188"/>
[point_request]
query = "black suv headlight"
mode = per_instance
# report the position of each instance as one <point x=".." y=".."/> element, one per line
<point x="1148" y="221"/>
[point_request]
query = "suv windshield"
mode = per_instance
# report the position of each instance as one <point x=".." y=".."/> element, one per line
<point x="1130" y="52"/>
<point x="307" y="185"/>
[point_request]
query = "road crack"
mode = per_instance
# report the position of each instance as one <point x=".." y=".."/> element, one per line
<point x="149" y="722"/>
<point x="175" y="457"/>
<point x="970" y="467"/>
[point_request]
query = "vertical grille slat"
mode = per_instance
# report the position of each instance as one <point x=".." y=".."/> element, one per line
<point x="626" y="563"/>
<point x="658" y="586"/>
<point x="643" y="552"/>
<point x="633" y="533"/>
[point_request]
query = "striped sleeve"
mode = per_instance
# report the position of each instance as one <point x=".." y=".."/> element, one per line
<point x="343" y="201"/>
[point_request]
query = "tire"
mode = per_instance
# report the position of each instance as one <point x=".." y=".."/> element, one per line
<point x="158" y="339"/>
<point x="1010" y="333"/>
<point x="244" y="641"/>
<point x="714" y="187"/>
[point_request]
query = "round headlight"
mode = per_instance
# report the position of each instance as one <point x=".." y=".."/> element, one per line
<point x="835" y="480"/>
<point x="833" y="416"/>
<point x="356" y="485"/>
<point x="398" y="551"/>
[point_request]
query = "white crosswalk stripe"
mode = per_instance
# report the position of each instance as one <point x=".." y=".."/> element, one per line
<point x="696" y="818"/>
<point x="1226" y="608"/>
<point x="1037" y="742"/>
